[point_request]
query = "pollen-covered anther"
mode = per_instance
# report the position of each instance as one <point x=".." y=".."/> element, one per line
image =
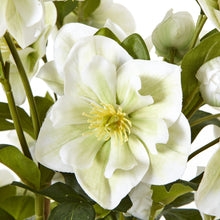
<point x="105" y="121"/>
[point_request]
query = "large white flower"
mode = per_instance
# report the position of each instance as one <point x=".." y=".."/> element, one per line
<point x="118" y="122"/>
<point x="207" y="198"/>
<point x="23" y="19"/>
<point x="209" y="78"/>
<point x="211" y="9"/>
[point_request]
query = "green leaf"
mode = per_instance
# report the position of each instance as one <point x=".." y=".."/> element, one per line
<point x="20" y="207"/>
<point x="63" y="9"/>
<point x="5" y="216"/>
<point x="182" y="214"/>
<point x="6" y="125"/>
<point x="88" y="7"/>
<point x="61" y="192"/>
<point x="46" y="176"/>
<point x="25" y="168"/>
<point x="210" y="33"/>
<point x="100" y="212"/>
<point x="136" y="47"/>
<point x="7" y="191"/>
<point x="197" y="128"/>
<point x="208" y="49"/>
<point x="107" y="33"/>
<point x="43" y="104"/>
<point x="73" y="211"/>
<point x="162" y="196"/>
<point x="25" y="119"/>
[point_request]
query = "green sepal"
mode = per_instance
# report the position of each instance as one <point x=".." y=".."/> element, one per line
<point x="136" y="47"/>
<point x="71" y="210"/>
<point x="107" y="33"/>
<point x="25" y="168"/>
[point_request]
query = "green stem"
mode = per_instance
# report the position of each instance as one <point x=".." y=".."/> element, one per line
<point x="25" y="81"/>
<point x="200" y="23"/>
<point x="12" y="107"/>
<point x="198" y="104"/>
<point x="121" y="216"/>
<point x="39" y="207"/>
<point x="210" y="144"/>
<point x="201" y="120"/>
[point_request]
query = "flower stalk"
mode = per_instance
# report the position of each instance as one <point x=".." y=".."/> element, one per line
<point x="25" y="81"/>
<point x="201" y="120"/>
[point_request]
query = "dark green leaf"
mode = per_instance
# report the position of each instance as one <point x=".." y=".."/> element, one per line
<point x="63" y="9"/>
<point x="5" y="216"/>
<point x="124" y="205"/>
<point x="88" y="7"/>
<point x="182" y="200"/>
<point x="197" y="128"/>
<point x="7" y="191"/>
<point x="61" y="192"/>
<point x="182" y="214"/>
<point x="25" y="119"/>
<point x="25" y="168"/>
<point x="183" y="182"/>
<point x="136" y="47"/>
<point x="20" y="207"/>
<point x="43" y="105"/>
<point x="208" y="49"/>
<point x="73" y="211"/>
<point x="5" y="125"/>
<point x="70" y="180"/>
<point x="107" y="33"/>
<point x="210" y="33"/>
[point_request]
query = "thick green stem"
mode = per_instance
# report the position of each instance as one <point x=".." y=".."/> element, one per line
<point x="39" y="207"/>
<point x="210" y="144"/>
<point x="25" y="81"/>
<point x="200" y="23"/>
<point x="201" y="120"/>
<point x="12" y="107"/>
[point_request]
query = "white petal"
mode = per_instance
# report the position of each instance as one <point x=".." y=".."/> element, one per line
<point x="140" y="196"/>
<point x="207" y="197"/>
<point x="82" y="55"/>
<point x="7" y="176"/>
<point x="120" y="158"/>
<point x="128" y="84"/>
<point x="51" y="140"/>
<point x="49" y="74"/>
<point x="109" y="192"/>
<point x="170" y="162"/>
<point x="80" y="152"/>
<point x="100" y="77"/>
<point x="67" y="36"/>
<point x="31" y="12"/>
<point x="69" y="110"/>
<point x="162" y="81"/>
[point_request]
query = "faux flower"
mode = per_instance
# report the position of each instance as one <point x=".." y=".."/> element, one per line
<point x="23" y="19"/>
<point x="107" y="9"/>
<point x="211" y="9"/>
<point x="52" y="71"/>
<point x="173" y="35"/>
<point x="118" y="123"/>
<point x="30" y="55"/>
<point x="142" y="202"/>
<point x="207" y="197"/>
<point x="209" y="79"/>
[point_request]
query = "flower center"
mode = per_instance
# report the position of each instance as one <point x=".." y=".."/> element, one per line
<point x="105" y="121"/>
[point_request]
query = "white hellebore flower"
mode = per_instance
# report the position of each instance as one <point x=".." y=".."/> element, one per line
<point x="23" y="19"/>
<point x="118" y="123"/>
<point x="207" y="197"/>
<point x="175" y="33"/>
<point x="209" y="78"/>
<point x="211" y="9"/>
<point x="52" y="71"/>
<point x="107" y="9"/>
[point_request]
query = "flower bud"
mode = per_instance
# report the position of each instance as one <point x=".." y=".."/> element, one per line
<point x="209" y="78"/>
<point x="174" y="33"/>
